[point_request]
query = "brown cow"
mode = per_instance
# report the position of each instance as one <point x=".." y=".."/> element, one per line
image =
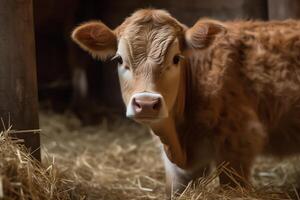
<point x="212" y="93"/>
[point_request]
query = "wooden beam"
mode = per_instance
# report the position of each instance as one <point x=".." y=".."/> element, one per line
<point x="18" y="86"/>
<point x="284" y="9"/>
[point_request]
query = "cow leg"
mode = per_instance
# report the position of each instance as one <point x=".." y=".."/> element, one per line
<point x="237" y="172"/>
<point x="177" y="179"/>
<point x="239" y="150"/>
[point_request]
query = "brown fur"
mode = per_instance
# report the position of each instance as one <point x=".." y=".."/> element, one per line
<point x="245" y="91"/>
<point x="239" y="93"/>
<point x="95" y="37"/>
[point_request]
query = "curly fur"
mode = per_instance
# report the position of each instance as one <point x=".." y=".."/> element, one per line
<point x="245" y="94"/>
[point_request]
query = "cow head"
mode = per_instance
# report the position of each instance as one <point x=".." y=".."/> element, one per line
<point x="150" y="50"/>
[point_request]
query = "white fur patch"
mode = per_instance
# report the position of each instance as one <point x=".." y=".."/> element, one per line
<point x="123" y="72"/>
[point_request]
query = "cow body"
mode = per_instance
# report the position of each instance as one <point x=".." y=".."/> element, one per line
<point x="234" y="95"/>
<point x="243" y="98"/>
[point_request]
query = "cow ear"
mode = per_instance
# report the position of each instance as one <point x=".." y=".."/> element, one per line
<point x="96" y="38"/>
<point x="203" y="33"/>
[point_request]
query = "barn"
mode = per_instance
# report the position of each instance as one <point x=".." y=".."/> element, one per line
<point x="64" y="132"/>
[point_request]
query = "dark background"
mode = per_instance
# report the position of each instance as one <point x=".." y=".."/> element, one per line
<point x="64" y="69"/>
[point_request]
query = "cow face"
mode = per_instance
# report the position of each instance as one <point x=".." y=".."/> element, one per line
<point x="149" y="65"/>
<point x="149" y="48"/>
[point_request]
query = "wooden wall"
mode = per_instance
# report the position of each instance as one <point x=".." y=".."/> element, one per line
<point x="18" y="86"/>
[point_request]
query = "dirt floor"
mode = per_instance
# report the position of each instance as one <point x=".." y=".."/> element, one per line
<point x="120" y="160"/>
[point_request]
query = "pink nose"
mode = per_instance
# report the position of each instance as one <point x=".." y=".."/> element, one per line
<point x="146" y="105"/>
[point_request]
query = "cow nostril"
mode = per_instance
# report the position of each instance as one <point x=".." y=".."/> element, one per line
<point x="156" y="106"/>
<point x="136" y="105"/>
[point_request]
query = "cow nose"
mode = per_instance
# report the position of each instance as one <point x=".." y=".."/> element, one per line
<point x="146" y="105"/>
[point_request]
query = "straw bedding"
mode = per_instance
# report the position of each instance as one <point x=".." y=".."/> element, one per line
<point x="118" y="160"/>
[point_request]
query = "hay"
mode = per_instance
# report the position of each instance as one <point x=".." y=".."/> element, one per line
<point x="117" y="160"/>
<point x="21" y="177"/>
<point x="114" y="160"/>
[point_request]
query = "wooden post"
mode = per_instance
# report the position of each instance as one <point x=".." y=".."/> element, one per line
<point x="18" y="86"/>
<point x="284" y="9"/>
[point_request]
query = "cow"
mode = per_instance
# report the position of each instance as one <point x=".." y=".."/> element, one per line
<point x="213" y="93"/>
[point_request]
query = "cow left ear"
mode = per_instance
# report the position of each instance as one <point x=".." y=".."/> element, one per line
<point x="96" y="38"/>
<point x="203" y="33"/>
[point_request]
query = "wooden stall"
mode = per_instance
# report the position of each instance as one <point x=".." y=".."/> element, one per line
<point x="18" y="86"/>
<point x="284" y="9"/>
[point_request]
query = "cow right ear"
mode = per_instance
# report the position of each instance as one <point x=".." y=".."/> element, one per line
<point x="96" y="38"/>
<point x="203" y="33"/>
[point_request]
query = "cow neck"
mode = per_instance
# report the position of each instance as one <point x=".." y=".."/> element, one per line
<point x="167" y="132"/>
<point x="168" y="129"/>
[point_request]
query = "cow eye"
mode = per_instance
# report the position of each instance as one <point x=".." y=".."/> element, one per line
<point x="118" y="58"/>
<point x="176" y="59"/>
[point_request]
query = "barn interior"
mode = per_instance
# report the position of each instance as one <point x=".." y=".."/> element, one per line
<point x="89" y="149"/>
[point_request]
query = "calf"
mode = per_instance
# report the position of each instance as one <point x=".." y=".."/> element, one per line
<point x="216" y="92"/>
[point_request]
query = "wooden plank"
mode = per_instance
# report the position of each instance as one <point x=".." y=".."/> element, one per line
<point x="284" y="9"/>
<point x="18" y="87"/>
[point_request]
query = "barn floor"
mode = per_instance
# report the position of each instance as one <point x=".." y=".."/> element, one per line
<point x="119" y="160"/>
